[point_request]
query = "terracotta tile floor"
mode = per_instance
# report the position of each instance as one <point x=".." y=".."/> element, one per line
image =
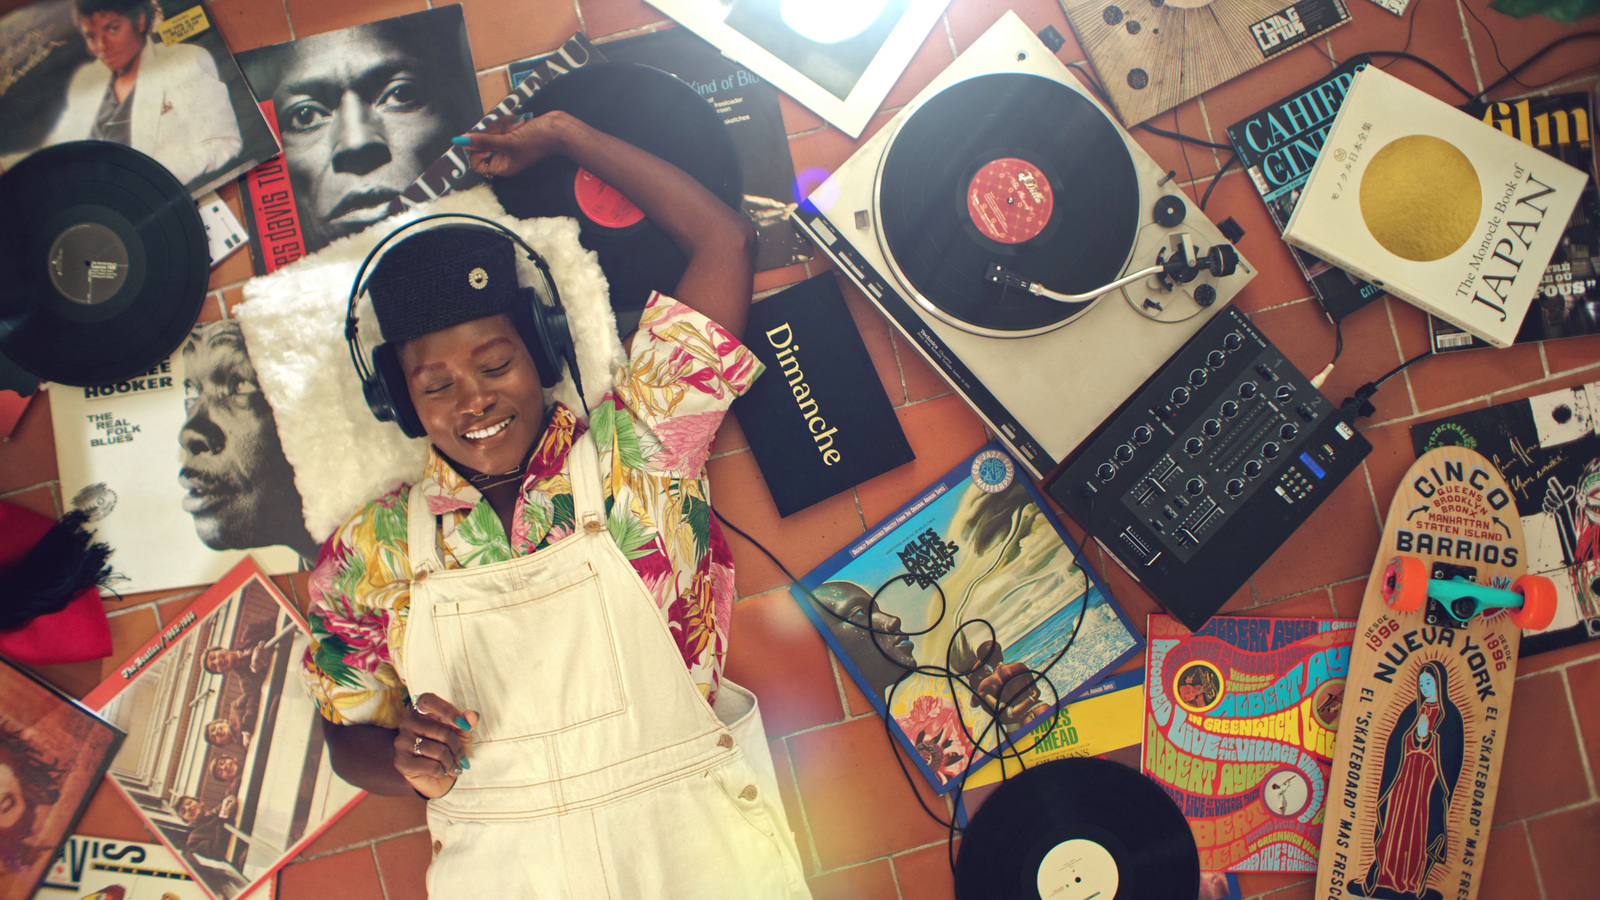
<point x="861" y="831"/>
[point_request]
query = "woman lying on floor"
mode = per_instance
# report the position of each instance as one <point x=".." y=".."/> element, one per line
<point x="532" y="635"/>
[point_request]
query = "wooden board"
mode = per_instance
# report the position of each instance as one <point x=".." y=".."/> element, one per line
<point x="1411" y="812"/>
<point x="1152" y="57"/>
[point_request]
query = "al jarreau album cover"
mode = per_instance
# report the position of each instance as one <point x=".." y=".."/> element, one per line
<point x="52" y="754"/>
<point x="154" y="75"/>
<point x="226" y="762"/>
<point x="180" y="469"/>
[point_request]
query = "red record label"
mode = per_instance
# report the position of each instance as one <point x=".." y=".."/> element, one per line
<point x="1010" y="200"/>
<point x="604" y="204"/>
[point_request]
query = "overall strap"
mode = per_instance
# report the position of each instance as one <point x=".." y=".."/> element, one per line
<point x="421" y="534"/>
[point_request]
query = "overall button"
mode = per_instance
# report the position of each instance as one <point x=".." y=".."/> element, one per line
<point x="437" y="846"/>
<point x="725" y="742"/>
<point x="593" y="525"/>
<point x="749" y="792"/>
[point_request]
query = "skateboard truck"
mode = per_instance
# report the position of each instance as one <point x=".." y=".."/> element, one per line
<point x="1407" y="587"/>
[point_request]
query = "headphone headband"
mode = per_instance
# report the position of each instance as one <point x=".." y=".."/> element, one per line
<point x="550" y="341"/>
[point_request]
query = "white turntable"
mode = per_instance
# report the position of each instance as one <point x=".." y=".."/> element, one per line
<point x="995" y="221"/>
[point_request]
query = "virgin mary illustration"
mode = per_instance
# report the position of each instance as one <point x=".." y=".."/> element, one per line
<point x="1421" y="764"/>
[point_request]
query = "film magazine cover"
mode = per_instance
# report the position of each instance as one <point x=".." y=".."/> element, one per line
<point x="1568" y="300"/>
<point x="181" y="470"/>
<point x="186" y="104"/>
<point x="53" y="751"/>
<point x="1548" y="448"/>
<point x="97" y="868"/>
<point x="974" y="575"/>
<point x="339" y="174"/>
<point x="225" y="760"/>
<point x="1434" y="206"/>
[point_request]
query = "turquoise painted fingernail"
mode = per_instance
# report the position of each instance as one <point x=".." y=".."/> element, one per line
<point x="461" y="140"/>
<point x="463" y="724"/>
<point x="465" y="764"/>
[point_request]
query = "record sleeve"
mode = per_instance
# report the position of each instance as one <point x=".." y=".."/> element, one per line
<point x="189" y="109"/>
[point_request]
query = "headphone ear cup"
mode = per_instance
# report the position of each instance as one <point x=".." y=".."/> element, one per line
<point x="544" y="330"/>
<point x="389" y="385"/>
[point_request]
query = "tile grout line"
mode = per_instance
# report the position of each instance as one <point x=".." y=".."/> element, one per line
<point x="1533" y="857"/>
<point x="377" y="866"/>
<point x="1577" y="730"/>
<point x="800" y="799"/>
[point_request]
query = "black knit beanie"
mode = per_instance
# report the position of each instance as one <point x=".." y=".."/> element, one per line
<point x="441" y="277"/>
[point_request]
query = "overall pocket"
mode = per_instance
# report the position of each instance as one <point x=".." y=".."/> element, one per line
<point x="532" y="660"/>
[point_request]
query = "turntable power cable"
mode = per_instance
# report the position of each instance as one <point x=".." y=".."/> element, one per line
<point x="1028" y="679"/>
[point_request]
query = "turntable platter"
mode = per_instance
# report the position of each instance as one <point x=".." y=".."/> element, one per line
<point x="1010" y="168"/>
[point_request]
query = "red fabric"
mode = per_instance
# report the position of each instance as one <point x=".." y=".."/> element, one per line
<point x="74" y="633"/>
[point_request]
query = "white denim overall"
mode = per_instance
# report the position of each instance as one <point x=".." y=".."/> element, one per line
<point x="598" y="770"/>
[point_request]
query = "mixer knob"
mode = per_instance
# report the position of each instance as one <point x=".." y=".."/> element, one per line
<point x="1194" y="487"/>
<point x="1269" y="450"/>
<point x="1234" y="487"/>
<point x="1143" y="434"/>
<point x="1197" y="377"/>
<point x="1193" y="445"/>
<point x="1288" y="431"/>
<point x="1229" y="409"/>
<point x="1124" y="452"/>
<point x="1180" y="395"/>
<point x="1252" y="468"/>
<point x="1233" y="341"/>
<point x="1106" y="471"/>
<point x="1216" y="358"/>
<point x="1248" y="390"/>
<point x="1211" y="427"/>
<point x="1284" y="392"/>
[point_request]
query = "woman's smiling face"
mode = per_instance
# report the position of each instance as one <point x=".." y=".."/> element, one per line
<point x="477" y="392"/>
<point x="12" y="803"/>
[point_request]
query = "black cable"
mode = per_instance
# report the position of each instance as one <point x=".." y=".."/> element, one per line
<point x="1411" y="24"/>
<point x="1232" y="158"/>
<point x="1401" y="54"/>
<point x="1511" y="73"/>
<point x="1359" y="404"/>
<point x="953" y="679"/>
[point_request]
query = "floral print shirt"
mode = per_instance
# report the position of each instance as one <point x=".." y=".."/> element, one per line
<point x="653" y="432"/>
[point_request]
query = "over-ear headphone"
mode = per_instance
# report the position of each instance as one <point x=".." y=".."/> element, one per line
<point x="543" y="327"/>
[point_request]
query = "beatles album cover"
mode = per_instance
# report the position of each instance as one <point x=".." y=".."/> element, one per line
<point x="1549" y="451"/>
<point x="181" y="470"/>
<point x="1240" y="718"/>
<point x="53" y="751"/>
<point x="226" y="763"/>
<point x="180" y="97"/>
<point x="974" y="575"/>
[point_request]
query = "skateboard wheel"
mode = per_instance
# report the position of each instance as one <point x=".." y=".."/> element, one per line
<point x="1538" y="602"/>
<point x="1405" y="584"/>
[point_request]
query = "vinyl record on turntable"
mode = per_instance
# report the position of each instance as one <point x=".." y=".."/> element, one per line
<point x="1075" y="829"/>
<point x="1015" y="169"/>
<point x="647" y="108"/>
<point x="105" y="263"/>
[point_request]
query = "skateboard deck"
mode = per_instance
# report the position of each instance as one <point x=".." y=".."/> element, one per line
<point x="1421" y="735"/>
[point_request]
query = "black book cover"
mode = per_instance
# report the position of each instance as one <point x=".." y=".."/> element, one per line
<point x="818" y="420"/>
<point x="749" y="108"/>
<point x="1277" y="147"/>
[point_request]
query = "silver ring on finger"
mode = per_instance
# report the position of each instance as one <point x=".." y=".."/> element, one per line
<point x="416" y="746"/>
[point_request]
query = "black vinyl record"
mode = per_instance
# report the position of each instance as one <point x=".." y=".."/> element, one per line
<point x="1015" y="169"/>
<point x="1075" y="829"/>
<point x="104" y="260"/>
<point x="647" y="108"/>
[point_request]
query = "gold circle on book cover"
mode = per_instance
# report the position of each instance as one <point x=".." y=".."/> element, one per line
<point x="1072" y="829"/>
<point x="647" y="108"/>
<point x="104" y="260"/>
<point x="1061" y="155"/>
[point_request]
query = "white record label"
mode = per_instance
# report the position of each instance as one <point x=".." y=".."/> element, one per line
<point x="1078" y="870"/>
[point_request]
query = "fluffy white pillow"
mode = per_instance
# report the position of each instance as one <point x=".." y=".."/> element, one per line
<point x="293" y="321"/>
